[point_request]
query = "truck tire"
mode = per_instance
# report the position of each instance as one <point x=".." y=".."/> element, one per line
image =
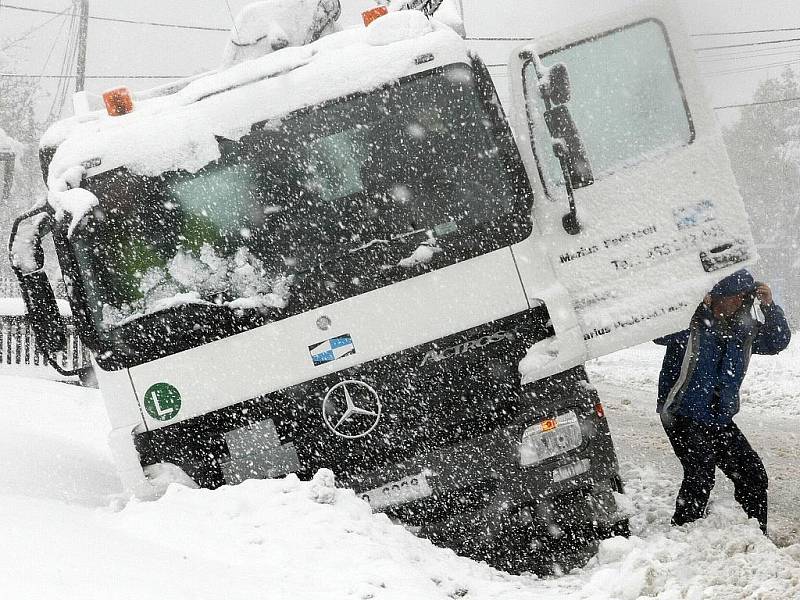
<point x="620" y="528"/>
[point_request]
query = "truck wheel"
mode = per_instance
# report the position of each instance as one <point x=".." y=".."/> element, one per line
<point x="555" y="557"/>
<point x="621" y="528"/>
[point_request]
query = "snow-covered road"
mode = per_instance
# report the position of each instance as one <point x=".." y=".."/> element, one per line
<point x="69" y="534"/>
<point x="640" y="441"/>
<point x="770" y="418"/>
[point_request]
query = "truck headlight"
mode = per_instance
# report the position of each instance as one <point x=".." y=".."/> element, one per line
<point x="549" y="438"/>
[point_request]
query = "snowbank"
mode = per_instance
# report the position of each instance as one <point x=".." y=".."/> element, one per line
<point x="180" y="131"/>
<point x="721" y="556"/>
<point x="310" y="549"/>
<point x="53" y="444"/>
<point x="68" y="535"/>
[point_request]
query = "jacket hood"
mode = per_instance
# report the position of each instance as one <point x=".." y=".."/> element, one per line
<point x="740" y="282"/>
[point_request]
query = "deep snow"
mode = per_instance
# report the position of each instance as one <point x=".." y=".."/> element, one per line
<point x="69" y="533"/>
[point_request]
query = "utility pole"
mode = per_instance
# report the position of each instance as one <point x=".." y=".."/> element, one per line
<point x="83" y="31"/>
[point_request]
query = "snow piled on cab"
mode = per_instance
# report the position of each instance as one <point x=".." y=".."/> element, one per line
<point x="180" y="131"/>
<point x="66" y="196"/>
<point x="264" y="27"/>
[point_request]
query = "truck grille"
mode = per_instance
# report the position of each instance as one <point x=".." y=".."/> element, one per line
<point x="433" y="396"/>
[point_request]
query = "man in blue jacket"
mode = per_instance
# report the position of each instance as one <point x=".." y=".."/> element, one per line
<point x="698" y="394"/>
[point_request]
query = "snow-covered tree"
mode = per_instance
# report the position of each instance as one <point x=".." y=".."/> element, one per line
<point x="18" y="121"/>
<point x="764" y="148"/>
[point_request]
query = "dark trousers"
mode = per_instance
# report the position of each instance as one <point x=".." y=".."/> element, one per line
<point x="701" y="448"/>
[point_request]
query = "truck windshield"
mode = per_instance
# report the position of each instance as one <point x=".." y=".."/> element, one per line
<point x="415" y="162"/>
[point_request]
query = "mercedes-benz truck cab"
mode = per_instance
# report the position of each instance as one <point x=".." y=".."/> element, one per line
<point x="338" y="255"/>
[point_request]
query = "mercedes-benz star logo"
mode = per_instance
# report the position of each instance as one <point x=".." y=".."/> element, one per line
<point x="351" y="409"/>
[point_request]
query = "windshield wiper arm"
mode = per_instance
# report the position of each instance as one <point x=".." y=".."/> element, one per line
<point x="387" y="242"/>
<point x="384" y="242"/>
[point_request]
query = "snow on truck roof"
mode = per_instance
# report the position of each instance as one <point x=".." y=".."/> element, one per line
<point x="180" y="131"/>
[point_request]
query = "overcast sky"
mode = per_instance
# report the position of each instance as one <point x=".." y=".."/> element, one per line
<point x="127" y="49"/>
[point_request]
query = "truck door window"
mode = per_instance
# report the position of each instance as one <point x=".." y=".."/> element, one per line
<point x="627" y="100"/>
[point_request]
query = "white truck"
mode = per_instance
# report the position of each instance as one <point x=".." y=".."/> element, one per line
<point x="343" y="252"/>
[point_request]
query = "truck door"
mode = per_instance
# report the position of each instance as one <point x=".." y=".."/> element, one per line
<point x="657" y="217"/>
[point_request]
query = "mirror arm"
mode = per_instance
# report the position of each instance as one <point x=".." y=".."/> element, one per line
<point x="569" y="221"/>
<point x="61" y="370"/>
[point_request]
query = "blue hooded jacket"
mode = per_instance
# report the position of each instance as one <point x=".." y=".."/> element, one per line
<point x="704" y="365"/>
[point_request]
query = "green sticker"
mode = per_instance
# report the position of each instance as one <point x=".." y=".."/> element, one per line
<point x="162" y="401"/>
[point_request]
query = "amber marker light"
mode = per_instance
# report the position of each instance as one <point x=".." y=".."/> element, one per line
<point x="370" y="15"/>
<point x="549" y="424"/>
<point x="118" y="101"/>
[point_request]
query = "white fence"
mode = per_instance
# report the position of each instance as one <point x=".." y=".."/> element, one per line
<point x="18" y="343"/>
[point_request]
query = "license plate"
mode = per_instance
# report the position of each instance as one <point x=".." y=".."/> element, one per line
<point x="571" y="470"/>
<point x="404" y="490"/>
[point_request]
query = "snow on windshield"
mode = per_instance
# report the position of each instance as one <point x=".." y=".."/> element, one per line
<point x="190" y="279"/>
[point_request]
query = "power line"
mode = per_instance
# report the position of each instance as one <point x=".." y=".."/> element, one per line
<point x="156" y="24"/>
<point x="487" y="39"/>
<point x="784" y="29"/>
<point x="68" y="59"/>
<point x="703" y="49"/>
<point x="117" y="20"/>
<point x="752" y="68"/>
<point x="736" y="52"/>
<point x="757" y="103"/>
<point x="36" y="28"/>
<point x="233" y="22"/>
<point x="498" y="39"/>
<point x="746" y="55"/>
<point x="31" y="76"/>
<point x="761" y="43"/>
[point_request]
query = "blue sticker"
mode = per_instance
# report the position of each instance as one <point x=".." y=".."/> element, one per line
<point x="332" y="349"/>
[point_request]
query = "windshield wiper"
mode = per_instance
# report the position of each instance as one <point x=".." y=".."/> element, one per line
<point x="393" y="241"/>
<point x="227" y="312"/>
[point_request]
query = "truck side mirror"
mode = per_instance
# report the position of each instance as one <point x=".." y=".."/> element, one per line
<point x="6" y="174"/>
<point x="46" y="321"/>
<point x="570" y="151"/>
<point x="27" y="260"/>
<point x="557" y="84"/>
<point x="555" y="90"/>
